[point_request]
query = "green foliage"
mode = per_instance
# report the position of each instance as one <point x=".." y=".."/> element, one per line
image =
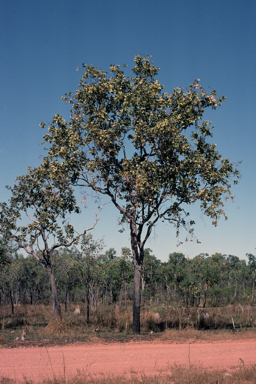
<point x="111" y="253"/>
<point x="144" y="148"/>
<point x="44" y="202"/>
<point x="197" y="282"/>
<point x="89" y="258"/>
<point x="149" y="271"/>
<point x="5" y="253"/>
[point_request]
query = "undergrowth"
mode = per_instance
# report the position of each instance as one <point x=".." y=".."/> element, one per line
<point x="176" y="374"/>
<point x="112" y="322"/>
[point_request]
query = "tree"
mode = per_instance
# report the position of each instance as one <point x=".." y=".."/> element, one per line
<point x="45" y="202"/>
<point x="5" y="257"/>
<point x="35" y="281"/>
<point x="233" y="265"/>
<point x="11" y="274"/>
<point x="111" y="253"/>
<point x="252" y="266"/>
<point x="88" y="268"/>
<point x="150" y="265"/>
<point x="143" y="148"/>
<point x="126" y="272"/>
<point x="66" y="265"/>
<point x="211" y="272"/>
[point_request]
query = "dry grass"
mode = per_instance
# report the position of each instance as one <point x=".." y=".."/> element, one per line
<point x="177" y="374"/>
<point x="198" y="375"/>
<point x="209" y="335"/>
<point x="56" y="327"/>
<point x="115" y="324"/>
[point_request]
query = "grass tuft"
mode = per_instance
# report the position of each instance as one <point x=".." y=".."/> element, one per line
<point x="177" y="374"/>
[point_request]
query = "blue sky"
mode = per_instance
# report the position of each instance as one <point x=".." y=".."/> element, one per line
<point x="42" y="44"/>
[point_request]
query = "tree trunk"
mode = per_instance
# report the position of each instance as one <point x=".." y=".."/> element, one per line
<point x="11" y="299"/>
<point x="235" y="293"/>
<point x="66" y="299"/>
<point x="138" y="256"/>
<point x="253" y="283"/>
<point x="56" y="305"/>
<point x="205" y="298"/>
<point x="185" y="298"/>
<point x="121" y="296"/>
<point x="125" y="295"/>
<point x="136" y="299"/>
<point x="88" y="303"/>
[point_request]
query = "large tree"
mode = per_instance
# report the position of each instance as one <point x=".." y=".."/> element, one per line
<point x="35" y="218"/>
<point x="145" y="149"/>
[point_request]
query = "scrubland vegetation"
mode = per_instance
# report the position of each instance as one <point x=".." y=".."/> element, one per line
<point x="208" y="293"/>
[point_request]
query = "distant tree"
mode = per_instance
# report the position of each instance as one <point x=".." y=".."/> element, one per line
<point x="67" y="269"/>
<point x="177" y="267"/>
<point x="34" y="282"/>
<point x="5" y="256"/>
<point x="111" y="253"/>
<point x="234" y="266"/>
<point x="126" y="253"/>
<point x="88" y="266"/>
<point x="148" y="275"/>
<point x="211" y="272"/>
<point x="10" y="279"/>
<point x="44" y="202"/>
<point x="130" y="141"/>
<point x="252" y="266"/>
<point x="110" y="276"/>
<point x="126" y="272"/>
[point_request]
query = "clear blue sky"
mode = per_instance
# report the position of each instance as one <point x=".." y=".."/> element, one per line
<point x="42" y="44"/>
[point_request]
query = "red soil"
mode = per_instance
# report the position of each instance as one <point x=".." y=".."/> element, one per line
<point x="38" y="363"/>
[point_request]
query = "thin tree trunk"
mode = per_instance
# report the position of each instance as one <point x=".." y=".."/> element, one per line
<point x="125" y="295"/>
<point x="66" y="300"/>
<point x="205" y="298"/>
<point x="121" y="296"/>
<point x="56" y="305"/>
<point x="88" y="304"/>
<point x="253" y="284"/>
<point x="136" y="299"/>
<point x="11" y="298"/>
<point x="185" y="298"/>
<point x="235" y="293"/>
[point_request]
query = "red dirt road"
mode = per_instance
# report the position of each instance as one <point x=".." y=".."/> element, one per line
<point x="150" y="357"/>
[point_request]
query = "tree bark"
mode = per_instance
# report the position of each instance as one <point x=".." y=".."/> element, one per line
<point x="253" y="283"/>
<point x="136" y="298"/>
<point x="88" y="303"/>
<point x="11" y="299"/>
<point x="125" y="293"/>
<point x="56" y="305"/>
<point x="235" y="293"/>
<point x="66" y="299"/>
<point x="205" y="298"/>
<point x="138" y="256"/>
